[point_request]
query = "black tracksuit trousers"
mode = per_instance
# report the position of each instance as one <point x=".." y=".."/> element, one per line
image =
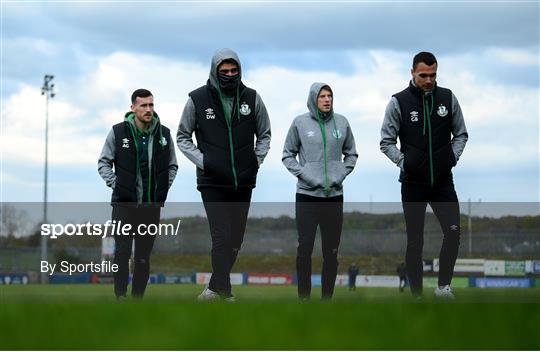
<point x="143" y="247"/>
<point x="312" y="212"/>
<point x="227" y="211"/>
<point x="443" y="200"/>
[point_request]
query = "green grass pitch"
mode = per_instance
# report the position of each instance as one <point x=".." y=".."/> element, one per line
<point x="82" y="317"/>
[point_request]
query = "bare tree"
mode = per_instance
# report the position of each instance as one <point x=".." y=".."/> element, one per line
<point x="14" y="222"/>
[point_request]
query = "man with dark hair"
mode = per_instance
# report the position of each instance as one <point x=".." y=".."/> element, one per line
<point x="432" y="134"/>
<point x="139" y="163"/>
<point x="424" y="57"/>
<point x="225" y="116"/>
<point x="141" y="93"/>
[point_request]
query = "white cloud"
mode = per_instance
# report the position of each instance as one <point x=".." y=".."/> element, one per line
<point x="486" y="104"/>
<point x="23" y="123"/>
<point x="516" y="56"/>
<point x="86" y="107"/>
<point x="37" y="46"/>
<point x="502" y="120"/>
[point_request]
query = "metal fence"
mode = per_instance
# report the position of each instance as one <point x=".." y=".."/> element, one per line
<point x="522" y="245"/>
<point x="505" y="245"/>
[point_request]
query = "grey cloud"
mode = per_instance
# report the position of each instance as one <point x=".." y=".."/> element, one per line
<point x="195" y="30"/>
<point x="306" y="36"/>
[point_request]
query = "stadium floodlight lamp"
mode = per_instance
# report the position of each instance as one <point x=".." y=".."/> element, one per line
<point x="48" y="91"/>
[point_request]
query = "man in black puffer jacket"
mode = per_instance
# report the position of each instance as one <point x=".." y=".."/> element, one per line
<point x="225" y="116"/>
<point x="432" y="134"/>
<point x="141" y="151"/>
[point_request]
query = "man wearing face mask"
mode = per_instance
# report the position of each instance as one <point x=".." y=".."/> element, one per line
<point x="225" y="116"/>
<point x="432" y="134"/>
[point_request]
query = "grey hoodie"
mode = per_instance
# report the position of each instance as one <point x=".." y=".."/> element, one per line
<point x="306" y="140"/>
<point x="106" y="159"/>
<point x="188" y="121"/>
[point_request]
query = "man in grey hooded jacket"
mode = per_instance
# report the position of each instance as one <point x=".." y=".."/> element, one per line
<point x="138" y="162"/>
<point x="324" y="142"/>
<point x="225" y="116"/>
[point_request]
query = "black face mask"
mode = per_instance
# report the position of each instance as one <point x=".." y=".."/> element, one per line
<point x="228" y="83"/>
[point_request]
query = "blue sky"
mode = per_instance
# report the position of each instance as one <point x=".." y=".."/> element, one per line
<point x="100" y="52"/>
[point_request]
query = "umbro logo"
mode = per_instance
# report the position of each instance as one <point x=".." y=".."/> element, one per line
<point x="454" y="227"/>
<point x="210" y="114"/>
<point x="125" y="143"/>
<point x="310" y="133"/>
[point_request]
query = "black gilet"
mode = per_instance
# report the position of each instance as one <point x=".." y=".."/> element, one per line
<point x="427" y="160"/>
<point x="126" y="163"/>
<point x="228" y="153"/>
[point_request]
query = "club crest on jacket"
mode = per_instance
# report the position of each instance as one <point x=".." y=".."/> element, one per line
<point x="442" y="111"/>
<point x="244" y="109"/>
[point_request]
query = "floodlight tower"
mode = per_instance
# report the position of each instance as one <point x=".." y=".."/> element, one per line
<point x="46" y="90"/>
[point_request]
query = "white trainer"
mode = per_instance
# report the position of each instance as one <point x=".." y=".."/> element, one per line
<point x="445" y="292"/>
<point x="231" y="299"/>
<point x="207" y="295"/>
